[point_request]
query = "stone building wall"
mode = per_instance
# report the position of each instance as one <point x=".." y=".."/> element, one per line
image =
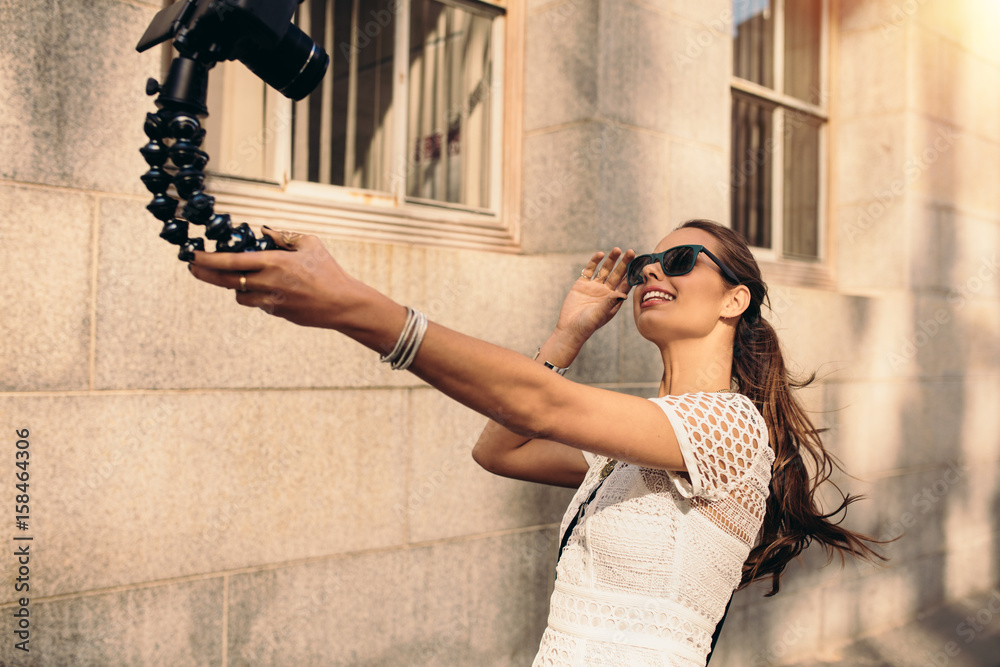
<point x="211" y="486"/>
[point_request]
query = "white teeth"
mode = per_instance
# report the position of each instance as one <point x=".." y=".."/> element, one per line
<point x="655" y="294"/>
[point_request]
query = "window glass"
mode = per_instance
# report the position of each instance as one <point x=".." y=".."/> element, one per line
<point x="342" y="132"/>
<point x="803" y="25"/>
<point x="753" y="46"/>
<point x="239" y="127"/>
<point x="800" y="236"/>
<point x="752" y="150"/>
<point x="450" y="122"/>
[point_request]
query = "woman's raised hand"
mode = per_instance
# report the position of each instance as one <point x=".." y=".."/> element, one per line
<point x="596" y="296"/>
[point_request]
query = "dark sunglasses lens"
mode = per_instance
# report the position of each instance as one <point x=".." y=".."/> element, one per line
<point x="635" y="267"/>
<point x="678" y="261"/>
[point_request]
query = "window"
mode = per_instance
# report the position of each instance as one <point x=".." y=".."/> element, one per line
<point x="405" y="138"/>
<point x="778" y="126"/>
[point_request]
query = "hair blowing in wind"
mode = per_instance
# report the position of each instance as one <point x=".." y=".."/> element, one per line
<point x="794" y="518"/>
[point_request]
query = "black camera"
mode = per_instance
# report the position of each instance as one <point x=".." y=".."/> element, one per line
<point x="258" y="33"/>
<point x="261" y="35"/>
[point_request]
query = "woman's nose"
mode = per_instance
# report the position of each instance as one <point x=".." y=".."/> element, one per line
<point x="651" y="270"/>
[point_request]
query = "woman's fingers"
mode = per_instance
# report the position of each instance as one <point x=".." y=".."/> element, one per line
<point x="236" y="270"/>
<point x="591" y="268"/>
<point x="267" y="300"/>
<point x="618" y="274"/>
<point x="230" y="279"/>
<point x="284" y="240"/>
<point x="606" y="267"/>
<point x="230" y="261"/>
<point x="610" y="271"/>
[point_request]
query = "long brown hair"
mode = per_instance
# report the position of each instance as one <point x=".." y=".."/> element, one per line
<point x="794" y="518"/>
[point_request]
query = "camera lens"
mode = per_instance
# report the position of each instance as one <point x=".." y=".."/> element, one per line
<point x="294" y="67"/>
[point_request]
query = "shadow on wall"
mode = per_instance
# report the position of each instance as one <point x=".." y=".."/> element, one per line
<point x="942" y="487"/>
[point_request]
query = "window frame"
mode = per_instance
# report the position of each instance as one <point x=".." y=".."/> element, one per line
<point x="775" y="264"/>
<point x="370" y="215"/>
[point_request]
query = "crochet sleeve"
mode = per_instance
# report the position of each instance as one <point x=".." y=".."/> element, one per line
<point x="721" y="436"/>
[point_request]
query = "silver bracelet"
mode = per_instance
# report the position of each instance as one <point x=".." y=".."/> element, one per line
<point x="410" y="350"/>
<point x="557" y="369"/>
<point x="409" y="341"/>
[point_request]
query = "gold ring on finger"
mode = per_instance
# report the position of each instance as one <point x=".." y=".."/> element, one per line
<point x="243" y="283"/>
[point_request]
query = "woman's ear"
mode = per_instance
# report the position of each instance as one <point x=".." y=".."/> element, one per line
<point x="737" y="301"/>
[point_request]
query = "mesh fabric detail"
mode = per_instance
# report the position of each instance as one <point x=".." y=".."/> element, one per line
<point x="667" y="542"/>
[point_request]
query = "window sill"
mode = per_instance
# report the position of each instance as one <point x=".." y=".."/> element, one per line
<point x="790" y="273"/>
<point x="361" y="215"/>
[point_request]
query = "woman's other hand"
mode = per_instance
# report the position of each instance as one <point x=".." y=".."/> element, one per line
<point x="596" y="296"/>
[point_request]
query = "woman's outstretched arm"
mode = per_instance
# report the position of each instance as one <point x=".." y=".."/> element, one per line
<point x="310" y="288"/>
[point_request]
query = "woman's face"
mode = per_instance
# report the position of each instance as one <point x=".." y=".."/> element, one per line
<point x="681" y="307"/>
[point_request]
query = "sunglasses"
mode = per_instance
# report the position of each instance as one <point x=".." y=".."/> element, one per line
<point x="675" y="261"/>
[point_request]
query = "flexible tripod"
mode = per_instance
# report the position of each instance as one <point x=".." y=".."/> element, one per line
<point x="175" y="157"/>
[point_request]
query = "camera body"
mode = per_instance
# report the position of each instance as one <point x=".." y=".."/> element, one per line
<point x="258" y="33"/>
<point x="261" y="35"/>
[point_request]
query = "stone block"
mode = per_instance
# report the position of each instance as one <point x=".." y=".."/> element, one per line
<point x="879" y="426"/>
<point x="873" y="71"/>
<point x="830" y="333"/>
<point x="954" y="21"/>
<point x="769" y="631"/>
<point x="45" y="249"/>
<point x="640" y="359"/>
<point x="665" y="75"/>
<point x="69" y="120"/>
<point x="874" y="163"/>
<point x="559" y="209"/>
<point x="935" y="75"/>
<point x="953" y="252"/>
<point x="699" y="183"/>
<point x="951" y="336"/>
<point x="978" y="29"/>
<point x="947" y="166"/>
<point x="914" y="509"/>
<point x="715" y="15"/>
<point x="977" y="168"/>
<point x="980" y="420"/>
<point x="870" y="233"/>
<point x="866" y="421"/>
<point x="460" y="603"/>
<point x="970" y="506"/>
<point x="448" y="494"/>
<point x="600" y="359"/>
<point x="157" y="327"/>
<point x="509" y="300"/>
<point x="952" y="84"/>
<point x="888" y="17"/>
<point x="637" y="182"/>
<point x="534" y="6"/>
<point x="172" y="624"/>
<point x="891" y="337"/>
<point x="886" y="599"/>
<point x="560" y="74"/>
<point x="144" y="487"/>
<point x="967" y="570"/>
<point x="983" y="99"/>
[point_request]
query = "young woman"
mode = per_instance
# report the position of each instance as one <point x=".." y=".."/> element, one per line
<point x="682" y="498"/>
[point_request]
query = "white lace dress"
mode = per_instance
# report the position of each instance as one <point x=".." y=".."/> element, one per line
<point x="651" y="565"/>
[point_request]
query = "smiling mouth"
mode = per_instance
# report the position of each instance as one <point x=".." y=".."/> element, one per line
<point x="656" y="295"/>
